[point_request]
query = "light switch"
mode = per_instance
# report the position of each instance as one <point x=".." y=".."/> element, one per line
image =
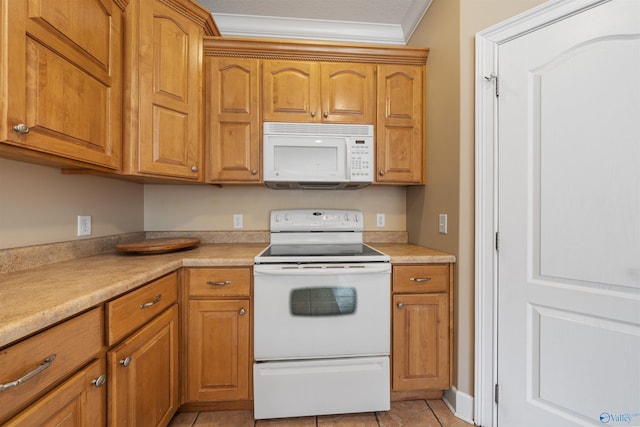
<point x="442" y="223"/>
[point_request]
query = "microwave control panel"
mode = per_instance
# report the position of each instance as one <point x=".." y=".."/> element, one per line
<point x="361" y="149"/>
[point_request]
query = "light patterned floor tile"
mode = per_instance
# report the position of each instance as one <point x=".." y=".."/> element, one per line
<point x="348" y="420"/>
<point x="225" y="419"/>
<point x="408" y="414"/>
<point x="183" y="419"/>
<point x="288" y="422"/>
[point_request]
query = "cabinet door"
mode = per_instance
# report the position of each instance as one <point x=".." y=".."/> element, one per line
<point x="218" y="346"/>
<point x="61" y="79"/>
<point x="166" y="61"/>
<point x="348" y="93"/>
<point x="420" y="342"/>
<point x="143" y="374"/>
<point x="400" y="134"/>
<point x="233" y="138"/>
<point x="291" y="91"/>
<point x="80" y="401"/>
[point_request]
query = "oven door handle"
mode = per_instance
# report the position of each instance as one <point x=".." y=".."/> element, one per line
<point x="314" y="269"/>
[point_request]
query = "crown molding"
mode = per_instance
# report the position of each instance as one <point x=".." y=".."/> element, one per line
<point x="234" y="25"/>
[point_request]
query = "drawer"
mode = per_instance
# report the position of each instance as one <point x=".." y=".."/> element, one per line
<point x="421" y="278"/>
<point x="219" y="282"/>
<point x="130" y="311"/>
<point x="67" y="346"/>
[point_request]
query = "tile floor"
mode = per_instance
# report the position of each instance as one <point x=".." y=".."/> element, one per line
<point x="415" y="413"/>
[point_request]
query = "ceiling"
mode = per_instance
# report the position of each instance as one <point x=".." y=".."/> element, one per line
<point x="359" y="21"/>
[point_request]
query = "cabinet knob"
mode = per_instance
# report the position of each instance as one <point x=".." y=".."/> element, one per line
<point x="242" y="312"/>
<point x="400" y="305"/>
<point x="99" y="382"/>
<point x="381" y="173"/>
<point x="254" y="171"/>
<point x="194" y="168"/>
<point x="126" y="361"/>
<point x="21" y="128"/>
<point x="326" y="114"/>
<point x="313" y="114"/>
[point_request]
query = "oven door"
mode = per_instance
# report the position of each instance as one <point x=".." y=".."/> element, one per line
<point x="316" y="311"/>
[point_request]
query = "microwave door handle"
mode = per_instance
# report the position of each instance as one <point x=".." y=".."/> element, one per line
<point x="347" y="141"/>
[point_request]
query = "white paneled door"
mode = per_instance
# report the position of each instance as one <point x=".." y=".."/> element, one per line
<point x="568" y="217"/>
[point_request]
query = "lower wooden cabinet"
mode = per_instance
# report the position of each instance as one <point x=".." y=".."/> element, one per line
<point x="421" y="318"/>
<point x="80" y="401"/>
<point x="38" y="369"/>
<point x="143" y="374"/>
<point x="218" y="333"/>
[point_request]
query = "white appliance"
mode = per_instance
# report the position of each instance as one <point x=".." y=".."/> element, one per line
<point x="317" y="155"/>
<point x="322" y="318"/>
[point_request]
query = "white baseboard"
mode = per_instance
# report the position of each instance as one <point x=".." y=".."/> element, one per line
<point x="461" y="404"/>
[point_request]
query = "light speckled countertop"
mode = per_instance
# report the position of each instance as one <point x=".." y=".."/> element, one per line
<point x="36" y="298"/>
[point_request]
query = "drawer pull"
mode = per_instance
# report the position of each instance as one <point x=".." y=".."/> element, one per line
<point x="45" y="364"/>
<point x="224" y="283"/>
<point x="150" y="303"/>
<point x="126" y="361"/>
<point x="99" y="382"/>
<point x="420" y="279"/>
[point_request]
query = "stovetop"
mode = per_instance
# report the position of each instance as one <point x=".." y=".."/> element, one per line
<point x="318" y="235"/>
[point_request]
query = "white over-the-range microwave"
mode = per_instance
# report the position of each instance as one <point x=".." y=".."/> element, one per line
<point x="317" y="155"/>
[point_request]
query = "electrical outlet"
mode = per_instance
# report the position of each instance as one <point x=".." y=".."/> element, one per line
<point x="237" y="220"/>
<point x="380" y="220"/>
<point x="442" y="223"/>
<point x="84" y="225"/>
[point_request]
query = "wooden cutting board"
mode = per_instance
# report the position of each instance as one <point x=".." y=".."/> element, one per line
<point x="159" y="245"/>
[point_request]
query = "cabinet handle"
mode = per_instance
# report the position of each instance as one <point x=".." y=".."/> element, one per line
<point x="381" y="173"/>
<point x="21" y="128"/>
<point x="126" y="361"/>
<point x="44" y="365"/>
<point x="254" y="171"/>
<point x="420" y="279"/>
<point x="400" y="305"/>
<point x="194" y="169"/>
<point x="242" y="312"/>
<point x="313" y="114"/>
<point x="224" y="283"/>
<point x="150" y="303"/>
<point x="99" y="382"/>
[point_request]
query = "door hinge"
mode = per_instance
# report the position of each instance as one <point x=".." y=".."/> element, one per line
<point x="497" y="241"/>
<point x="496" y="81"/>
<point x="496" y="393"/>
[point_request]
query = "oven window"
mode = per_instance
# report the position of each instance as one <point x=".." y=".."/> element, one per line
<point x="330" y="301"/>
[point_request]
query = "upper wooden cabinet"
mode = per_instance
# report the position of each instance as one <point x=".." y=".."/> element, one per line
<point x="400" y="136"/>
<point x="314" y="83"/>
<point x="296" y="91"/>
<point x="60" y="82"/>
<point x="233" y="120"/>
<point x="163" y="88"/>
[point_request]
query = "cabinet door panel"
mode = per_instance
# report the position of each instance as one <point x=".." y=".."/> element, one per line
<point x="348" y="93"/>
<point x="218" y="346"/>
<point x="400" y="139"/>
<point x="233" y="136"/>
<point x="290" y="91"/>
<point x="169" y="138"/>
<point x="63" y="80"/>
<point x="145" y="391"/>
<point x="76" y="403"/>
<point x="420" y="342"/>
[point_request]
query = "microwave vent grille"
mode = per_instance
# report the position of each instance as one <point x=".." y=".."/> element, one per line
<point x="317" y="129"/>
